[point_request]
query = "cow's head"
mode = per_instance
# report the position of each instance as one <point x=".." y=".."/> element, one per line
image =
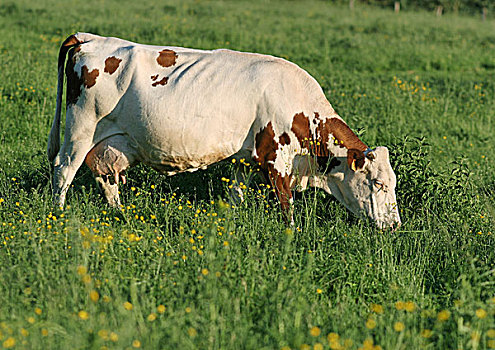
<point x="365" y="183"/>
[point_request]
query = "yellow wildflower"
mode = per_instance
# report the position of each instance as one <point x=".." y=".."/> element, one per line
<point x="370" y="323"/>
<point x="409" y="306"/>
<point x="315" y="331"/>
<point x="136" y="343"/>
<point x="83" y="315"/>
<point x="113" y="337"/>
<point x="318" y="346"/>
<point x="426" y="333"/>
<point x="399" y="326"/>
<point x="480" y="313"/>
<point x="94" y="296"/>
<point x="377" y="308"/>
<point x="333" y="337"/>
<point x="161" y="309"/>
<point x="443" y="315"/>
<point x="152" y="317"/>
<point x="192" y="332"/>
<point x="9" y="343"/>
<point x="128" y="306"/>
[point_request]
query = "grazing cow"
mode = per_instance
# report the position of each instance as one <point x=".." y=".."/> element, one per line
<point x="179" y="109"/>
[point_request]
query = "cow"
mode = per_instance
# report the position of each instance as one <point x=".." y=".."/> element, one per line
<point x="179" y="109"/>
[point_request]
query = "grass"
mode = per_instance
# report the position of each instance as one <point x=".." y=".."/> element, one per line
<point x="179" y="267"/>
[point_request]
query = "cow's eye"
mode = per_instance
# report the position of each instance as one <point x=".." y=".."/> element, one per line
<point x="378" y="184"/>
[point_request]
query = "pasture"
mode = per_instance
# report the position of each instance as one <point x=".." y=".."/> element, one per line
<point x="179" y="267"/>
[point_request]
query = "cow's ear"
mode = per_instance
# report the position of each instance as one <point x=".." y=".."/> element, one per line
<point x="355" y="159"/>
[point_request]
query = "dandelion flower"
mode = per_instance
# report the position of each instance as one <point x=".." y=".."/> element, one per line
<point x="370" y="323"/>
<point x="426" y="333"/>
<point x="37" y="311"/>
<point x="318" y="346"/>
<point x="443" y="315"/>
<point x="136" y="343"/>
<point x="9" y="343"/>
<point x="128" y="306"/>
<point x="94" y="296"/>
<point x="333" y="337"/>
<point x="83" y="315"/>
<point x="151" y="317"/>
<point x="315" y="331"/>
<point x="103" y="334"/>
<point x="377" y="308"/>
<point x="113" y="337"/>
<point x="192" y="332"/>
<point x="399" y="326"/>
<point x="409" y="306"/>
<point x="160" y="309"/>
<point x="480" y="313"/>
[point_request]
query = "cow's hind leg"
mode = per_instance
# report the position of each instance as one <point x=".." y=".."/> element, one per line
<point x="77" y="143"/>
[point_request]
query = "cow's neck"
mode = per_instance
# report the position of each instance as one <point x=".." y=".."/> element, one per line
<point x="338" y="136"/>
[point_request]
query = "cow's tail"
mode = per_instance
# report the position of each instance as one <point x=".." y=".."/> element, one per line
<point x="54" y="137"/>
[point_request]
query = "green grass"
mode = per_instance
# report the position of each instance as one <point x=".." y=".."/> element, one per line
<point x="235" y="278"/>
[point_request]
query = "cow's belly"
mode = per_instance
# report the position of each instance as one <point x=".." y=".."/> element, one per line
<point x="184" y="144"/>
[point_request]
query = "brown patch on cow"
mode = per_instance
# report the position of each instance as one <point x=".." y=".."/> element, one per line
<point x="111" y="64"/>
<point x="154" y="77"/>
<point x="89" y="78"/>
<point x="300" y="128"/>
<point x="357" y="157"/>
<point x="160" y="82"/>
<point x="166" y="58"/>
<point x="266" y="147"/>
<point x="284" y="139"/>
<point x="74" y="83"/>
<point x="71" y="41"/>
<point x="344" y="136"/>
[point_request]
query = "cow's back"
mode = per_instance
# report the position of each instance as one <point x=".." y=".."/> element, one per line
<point x="186" y="108"/>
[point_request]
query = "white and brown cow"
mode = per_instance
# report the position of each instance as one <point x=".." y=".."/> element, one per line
<point x="179" y="109"/>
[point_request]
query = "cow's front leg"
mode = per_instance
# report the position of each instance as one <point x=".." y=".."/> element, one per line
<point x="110" y="190"/>
<point x="281" y="186"/>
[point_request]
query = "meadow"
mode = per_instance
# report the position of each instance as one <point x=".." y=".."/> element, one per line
<point x="178" y="266"/>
